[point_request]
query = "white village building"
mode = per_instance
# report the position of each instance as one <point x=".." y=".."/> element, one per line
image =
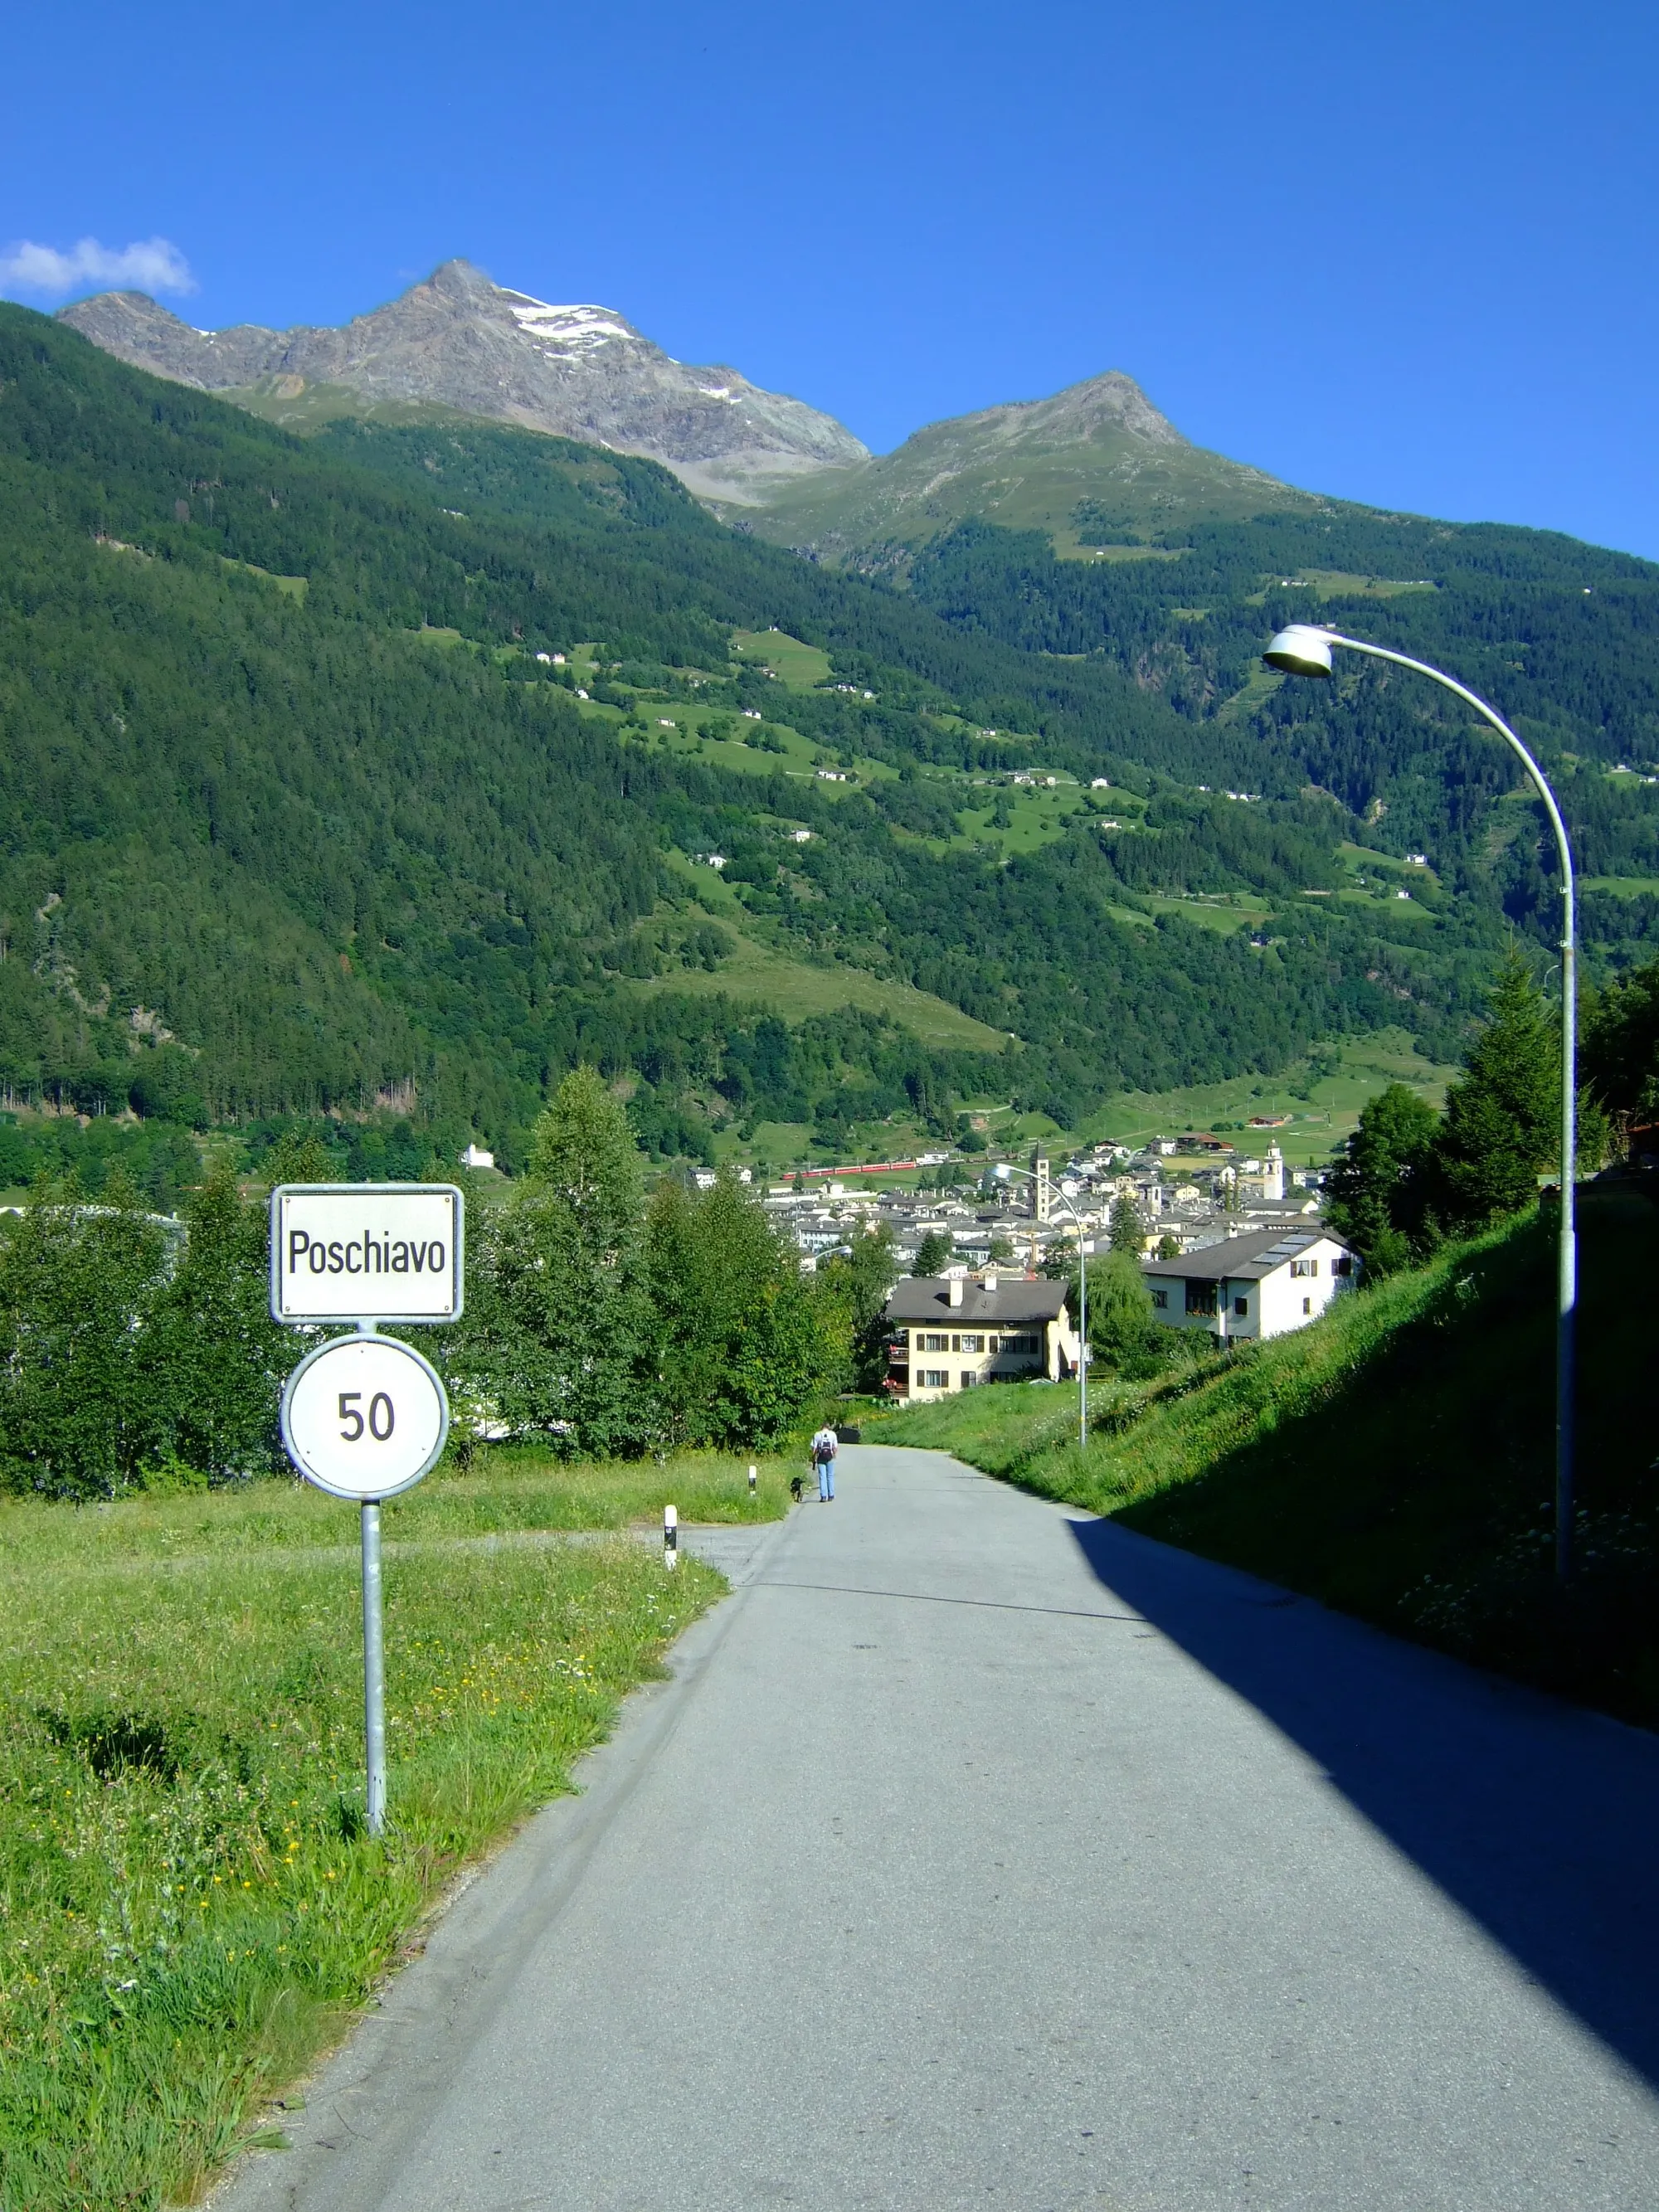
<point x="1249" y="1287"/>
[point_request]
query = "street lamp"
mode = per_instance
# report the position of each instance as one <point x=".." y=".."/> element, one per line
<point x="1302" y="650"/>
<point x="1005" y="1171"/>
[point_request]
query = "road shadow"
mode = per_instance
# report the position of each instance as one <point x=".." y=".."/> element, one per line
<point x="1539" y="1820"/>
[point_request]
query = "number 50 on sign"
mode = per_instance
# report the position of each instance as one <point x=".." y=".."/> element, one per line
<point x="364" y="1416"/>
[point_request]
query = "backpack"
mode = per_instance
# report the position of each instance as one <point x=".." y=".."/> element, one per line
<point x="823" y="1450"/>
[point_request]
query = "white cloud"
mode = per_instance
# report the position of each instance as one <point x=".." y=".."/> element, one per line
<point x="153" y="265"/>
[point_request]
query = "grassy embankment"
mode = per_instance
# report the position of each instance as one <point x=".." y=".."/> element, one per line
<point x="1394" y="1460"/>
<point x="191" y="1908"/>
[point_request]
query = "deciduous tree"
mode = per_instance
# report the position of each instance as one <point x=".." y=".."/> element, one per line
<point x="555" y="1340"/>
<point x="218" y="1358"/>
<point x="1120" y="1321"/>
<point x="1621" y="1045"/>
<point x="858" y="1286"/>
<point x="740" y="1349"/>
<point x="79" y="1410"/>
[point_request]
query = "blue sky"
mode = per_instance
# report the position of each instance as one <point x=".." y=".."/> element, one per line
<point x="1404" y="254"/>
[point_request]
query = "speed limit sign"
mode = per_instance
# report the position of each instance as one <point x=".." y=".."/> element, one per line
<point x="364" y="1416"/>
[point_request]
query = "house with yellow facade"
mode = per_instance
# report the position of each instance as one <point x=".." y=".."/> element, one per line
<point x="951" y="1333"/>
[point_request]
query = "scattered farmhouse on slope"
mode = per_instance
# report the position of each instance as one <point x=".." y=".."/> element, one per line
<point x="950" y="1334"/>
<point x="1254" y="1286"/>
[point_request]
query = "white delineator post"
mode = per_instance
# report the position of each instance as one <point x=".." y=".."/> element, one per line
<point x="1302" y="650"/>
<point x="670" y="1535"/>
<point x="752" y="1473"/>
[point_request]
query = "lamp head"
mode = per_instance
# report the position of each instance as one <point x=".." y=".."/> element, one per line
<point x="1301" y="650"/>
<point x="1003" y="1172"/>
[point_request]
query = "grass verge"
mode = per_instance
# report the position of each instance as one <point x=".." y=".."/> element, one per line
<point x="1396" y="1458"/>
<point x="192" y="1907"/>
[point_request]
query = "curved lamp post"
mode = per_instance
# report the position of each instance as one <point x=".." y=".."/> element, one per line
<point x="1302" y="650"/>
<point x="1005" y="1171"/>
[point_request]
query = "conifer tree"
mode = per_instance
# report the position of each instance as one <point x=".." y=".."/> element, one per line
<point x="1379" y="1193"/>
<point x="1501" y="1124"/>
<point x="1128" y="1228"/>
<point x="935" y="1253"/>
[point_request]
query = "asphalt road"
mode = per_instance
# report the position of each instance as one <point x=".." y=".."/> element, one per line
<point x="980" y="1854"/>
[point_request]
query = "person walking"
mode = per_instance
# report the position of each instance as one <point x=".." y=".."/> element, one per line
<point x="824" y="1459"/>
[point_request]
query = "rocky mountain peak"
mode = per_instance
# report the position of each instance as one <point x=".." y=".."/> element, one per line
<point x="459" y="280"/>
<point x="1100" y="406"/>
<point x="460" y="340"/>
<point x="1102" y="410"/>
<point x="1098" y="454"/>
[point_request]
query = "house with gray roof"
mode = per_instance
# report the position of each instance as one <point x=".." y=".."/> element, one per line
<point x="1249" y="1287"/>
<point x="949" y="1333"/>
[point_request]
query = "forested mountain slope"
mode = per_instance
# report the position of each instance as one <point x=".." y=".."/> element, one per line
<point x="304" y="813"/>
<point x="1562" y="636"/>
<point x="1086" y="527"/>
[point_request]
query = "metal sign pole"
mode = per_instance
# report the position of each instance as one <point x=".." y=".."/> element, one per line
<point x="374" y="1667"/>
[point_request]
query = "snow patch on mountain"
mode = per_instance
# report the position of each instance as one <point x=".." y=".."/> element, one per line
<point x="581" y="329"/>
